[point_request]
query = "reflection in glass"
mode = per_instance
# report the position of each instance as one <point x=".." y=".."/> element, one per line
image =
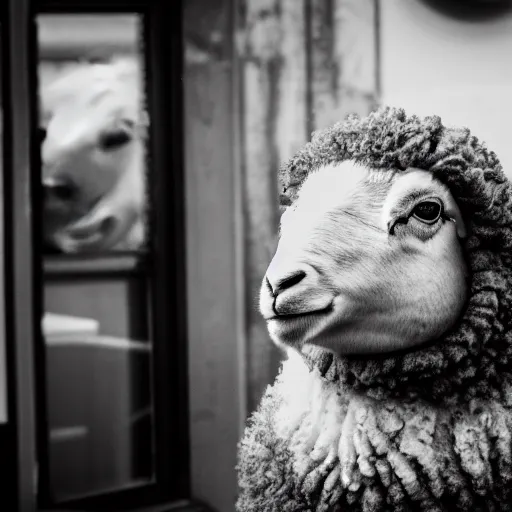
<point x="97" y="386"/>
<point x="93" y="127"/>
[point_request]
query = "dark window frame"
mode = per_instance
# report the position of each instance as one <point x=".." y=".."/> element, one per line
<point x="23" y="258"/>
<point x="8" y="430"/>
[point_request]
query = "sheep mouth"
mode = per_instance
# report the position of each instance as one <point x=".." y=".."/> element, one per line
<point x="306" y="314"/>
<point x="292" y="329"/>
<point x="293" y="318"/>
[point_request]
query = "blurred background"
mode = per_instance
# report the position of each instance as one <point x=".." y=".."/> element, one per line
<point x="259" y="76"/>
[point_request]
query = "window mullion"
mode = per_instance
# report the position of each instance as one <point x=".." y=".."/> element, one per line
<point x="19" y="69"/>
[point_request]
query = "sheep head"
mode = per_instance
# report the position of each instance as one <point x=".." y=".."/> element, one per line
<point x="389" y="154"/>
<point x="93" y="157"/>
<point x="368" y="262"/>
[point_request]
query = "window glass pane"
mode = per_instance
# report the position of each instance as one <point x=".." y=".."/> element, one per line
<point x="93" y="127"/>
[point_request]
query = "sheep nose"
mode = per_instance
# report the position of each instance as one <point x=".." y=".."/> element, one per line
<point x="278" y="284"/>
<point x="292" y="288"/>
<point x="60" y="190"/>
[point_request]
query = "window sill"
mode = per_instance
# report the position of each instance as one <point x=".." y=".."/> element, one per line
<point x="176" y="506"/>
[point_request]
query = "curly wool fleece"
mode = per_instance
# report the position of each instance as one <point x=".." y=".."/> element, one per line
<point x="426" y="430"/>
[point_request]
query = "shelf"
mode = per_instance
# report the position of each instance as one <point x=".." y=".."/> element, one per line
<point x="64" y="265"/>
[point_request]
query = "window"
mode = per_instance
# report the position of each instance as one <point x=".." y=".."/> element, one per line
<point x="93" y="122"/>
<point x="95" y="276"/>
<point x="178" y="297"/>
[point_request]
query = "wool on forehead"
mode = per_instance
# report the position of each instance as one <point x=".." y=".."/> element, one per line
<point x="472" y="356"/>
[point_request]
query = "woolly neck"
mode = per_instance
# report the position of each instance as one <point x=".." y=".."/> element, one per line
<point x="429" y="375"/>
<point x="474" y="359"/>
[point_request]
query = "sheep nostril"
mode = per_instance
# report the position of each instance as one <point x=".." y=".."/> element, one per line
<point x="61" y="191"/>
<point x="286" y="282"/>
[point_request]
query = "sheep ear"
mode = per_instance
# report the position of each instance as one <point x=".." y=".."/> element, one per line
<point x="461" y="227"/>
<point x="453" y="212"/>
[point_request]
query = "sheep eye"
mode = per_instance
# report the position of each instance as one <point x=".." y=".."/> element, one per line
<point x="114" y="139"/>
<point x="428" y="212"/>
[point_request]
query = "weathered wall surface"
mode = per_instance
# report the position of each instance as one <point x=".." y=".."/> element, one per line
<point x="260" y="76"/>
<point x="304" y="64"/>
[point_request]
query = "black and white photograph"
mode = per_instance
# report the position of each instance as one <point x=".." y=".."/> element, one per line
<point x="256" y="256"/>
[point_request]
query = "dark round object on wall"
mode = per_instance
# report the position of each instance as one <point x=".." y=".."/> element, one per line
<point x="471" y="10"/>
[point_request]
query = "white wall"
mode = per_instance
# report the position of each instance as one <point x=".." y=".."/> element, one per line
<point x="462" y="71"/>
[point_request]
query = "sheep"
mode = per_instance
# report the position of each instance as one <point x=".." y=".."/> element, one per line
<point x="390" y="291"/>
<point x="93" y="157"/>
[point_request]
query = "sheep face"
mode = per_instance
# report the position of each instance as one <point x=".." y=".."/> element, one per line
<point x="93" y="158"/>
<point x="368" y="262"/>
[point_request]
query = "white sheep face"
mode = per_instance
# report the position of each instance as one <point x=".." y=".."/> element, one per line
<point x="367" y="262"/>
<point x="92" y="156"/>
